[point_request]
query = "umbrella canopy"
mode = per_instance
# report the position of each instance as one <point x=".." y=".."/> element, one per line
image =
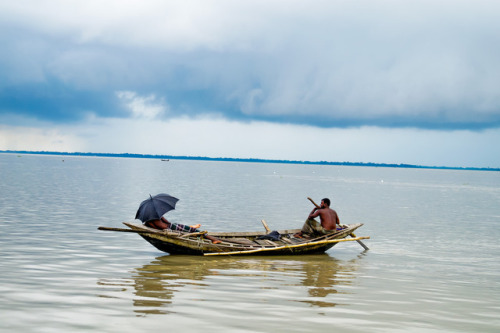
<point x="155" y="207"/>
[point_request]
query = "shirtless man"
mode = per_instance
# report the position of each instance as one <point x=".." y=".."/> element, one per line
<point x="163" y="223"/>
<point x="328" y="217"/>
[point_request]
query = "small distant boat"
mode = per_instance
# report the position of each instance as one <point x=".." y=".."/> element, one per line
<point x="240" y="243"/>
<point x="165" y="160"/>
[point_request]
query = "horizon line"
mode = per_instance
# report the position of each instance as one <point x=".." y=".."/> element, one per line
<point x="248" y="160"/>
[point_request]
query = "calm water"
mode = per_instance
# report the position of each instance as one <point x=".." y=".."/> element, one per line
<point x="433" y="264"/>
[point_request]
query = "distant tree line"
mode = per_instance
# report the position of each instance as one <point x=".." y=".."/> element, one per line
<point x="249" y="160"/>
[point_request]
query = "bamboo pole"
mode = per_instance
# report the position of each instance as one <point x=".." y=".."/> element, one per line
<point x="194" y="234"/>
<point x="164" y="232"/>
<point x="130" y="230"/>
<point x="267" y="249"/>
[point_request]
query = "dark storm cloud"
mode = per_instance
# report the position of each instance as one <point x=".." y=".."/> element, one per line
<point x="327" y="64"/>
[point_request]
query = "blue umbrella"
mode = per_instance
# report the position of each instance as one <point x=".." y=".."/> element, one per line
<point x="155" y="207"/>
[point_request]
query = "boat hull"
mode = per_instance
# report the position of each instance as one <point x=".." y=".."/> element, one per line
<point x="240" y="243"/>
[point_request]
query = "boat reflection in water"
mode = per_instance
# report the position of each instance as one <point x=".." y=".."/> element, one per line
<point x="171" y="281"/>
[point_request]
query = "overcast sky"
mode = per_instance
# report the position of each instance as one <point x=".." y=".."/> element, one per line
<point x="357" y="80"/>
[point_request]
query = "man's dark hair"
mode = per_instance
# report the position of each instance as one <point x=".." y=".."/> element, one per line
<point x="326" y="201"/>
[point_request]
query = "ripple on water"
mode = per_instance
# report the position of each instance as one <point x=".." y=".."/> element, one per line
<point x="59" y="274"/>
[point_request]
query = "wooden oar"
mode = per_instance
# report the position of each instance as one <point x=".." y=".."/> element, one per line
<point x="352" y="234"/>
<point x="264" y="223"/>
<point x="360" y="242"/>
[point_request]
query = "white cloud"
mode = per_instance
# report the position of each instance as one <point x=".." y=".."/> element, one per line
<point x="148" y="107"/>
<point x="368" y="61"/>
<point x="39" y="139"/>
<point x="357" y="60"/>
<point x="221" y="138"/>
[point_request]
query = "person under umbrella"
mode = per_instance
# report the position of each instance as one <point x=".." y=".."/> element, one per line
<point x="151" y="213"/>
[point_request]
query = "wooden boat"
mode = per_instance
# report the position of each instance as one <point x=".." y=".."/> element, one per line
<point x="240" y="243"/>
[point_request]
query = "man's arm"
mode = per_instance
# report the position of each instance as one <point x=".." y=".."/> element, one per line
<point x="314" y="213"/>
<point x="337" y="220"/>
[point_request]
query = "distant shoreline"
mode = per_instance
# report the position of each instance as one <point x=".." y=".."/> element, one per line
<point x="249" y="160"/>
